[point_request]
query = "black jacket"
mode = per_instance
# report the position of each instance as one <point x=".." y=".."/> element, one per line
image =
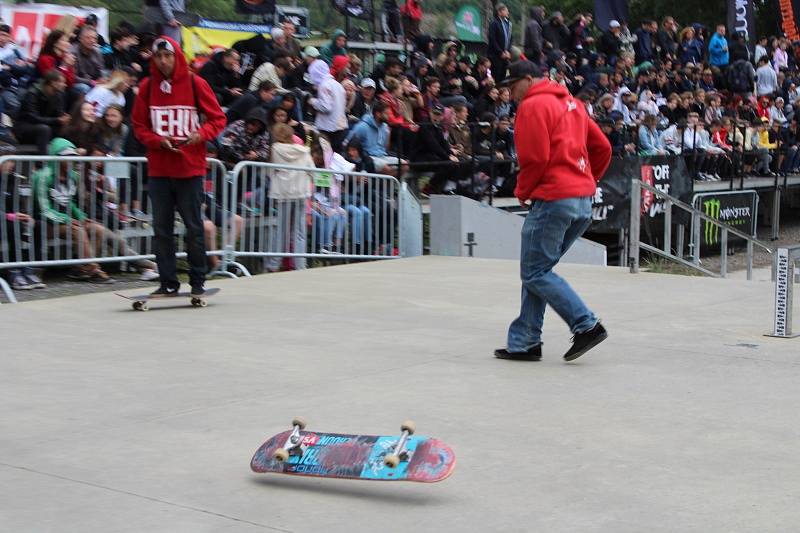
<point x="609" y="44"/>
<point x="497" y="38"/>
<point x="240" y="107"/>
<point x="257" y="47"/>
<point x="738" y="50"/>
<point x="533" y="35"/>
<point x="432" y="145"/>
<point x="360" y="107"/>
<point x="38" y="108"/>
<point x="667" y="43"/>
<point x="556" y="34"/>
<point x="643" y="47"/>
<point x="220" y="79"/>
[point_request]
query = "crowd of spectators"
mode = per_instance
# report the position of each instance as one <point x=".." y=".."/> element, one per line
<point x="656" y="89"/>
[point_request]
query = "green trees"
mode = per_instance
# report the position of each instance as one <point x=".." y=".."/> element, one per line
<point x="439" y="13"/>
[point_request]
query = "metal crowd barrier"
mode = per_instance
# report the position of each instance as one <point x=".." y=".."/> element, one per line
<point x="335" y="215"/>
<point x="348" y="215"/>
<point x="100" y="189"/>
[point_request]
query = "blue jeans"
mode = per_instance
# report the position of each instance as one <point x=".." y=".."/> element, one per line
<point x="324" y="226"/>
<point x="549" y="230"/>
<point x="361" y="223"/>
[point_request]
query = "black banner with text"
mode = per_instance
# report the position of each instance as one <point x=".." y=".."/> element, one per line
<point x="612" y="199"/>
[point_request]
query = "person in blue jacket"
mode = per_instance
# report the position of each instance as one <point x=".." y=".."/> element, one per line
<point x="718" y="48"/>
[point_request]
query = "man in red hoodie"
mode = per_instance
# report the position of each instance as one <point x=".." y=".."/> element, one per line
<point x="562" y="155"/>
<point x="166" y="119"/>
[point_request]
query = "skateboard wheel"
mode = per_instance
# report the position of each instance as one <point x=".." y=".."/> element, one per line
<point x="137" y="306"/>
<point x="143" y="307"/>
<point x="392" y="461"/>
<point x="203" y="303"/>
<point x="299" y="421"/>
<point x="281" y="455"/>
<point x="409" y="426"/>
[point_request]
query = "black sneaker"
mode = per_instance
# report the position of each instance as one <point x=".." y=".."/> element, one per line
<point x="534" y="354"/>
<point x="583" y="342"/>
<point x="165" y="291"/>
<point x="198" y="290"/>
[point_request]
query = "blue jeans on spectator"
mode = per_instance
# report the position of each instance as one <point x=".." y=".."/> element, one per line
<point x="792" y="158"/>
<point x="360" y="223"/>
<point x="548" y="232"/>
<point x="324" y="226"/>
<point x="289" y="235"/>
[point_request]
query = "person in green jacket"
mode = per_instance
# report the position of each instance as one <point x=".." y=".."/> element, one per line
<point x="55" y="187"/>
<point x="337" y="47"/>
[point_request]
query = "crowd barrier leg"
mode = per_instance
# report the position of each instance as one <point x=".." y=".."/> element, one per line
<point x="8" y="291"/>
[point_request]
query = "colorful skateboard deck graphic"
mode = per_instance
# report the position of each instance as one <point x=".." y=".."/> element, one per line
<point x="357" y="457"/>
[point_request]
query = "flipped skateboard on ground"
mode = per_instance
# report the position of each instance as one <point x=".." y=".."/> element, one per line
<point x="140" y="300"/>
<point x="404" y="457"/>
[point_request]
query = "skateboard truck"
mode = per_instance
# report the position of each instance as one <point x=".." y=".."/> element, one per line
<point x="399" y="452"/>
<point x="292" y="444"/>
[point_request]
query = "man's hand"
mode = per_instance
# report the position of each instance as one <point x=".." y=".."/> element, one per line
<point x="174" y="23"/>
<point x="166" y="144"/>
<point x="64" y="119"/>
<point x="454" y="159"/>
<point x="251" y="155"/>
<point x="194" y="138"/>
<point x="69" y="59"/>
<point x="235" y="92"/>
<point x="22" y="217"/>
<point x="524" y="203"/>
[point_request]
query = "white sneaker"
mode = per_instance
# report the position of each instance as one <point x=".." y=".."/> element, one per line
<point x="148" y="275"/>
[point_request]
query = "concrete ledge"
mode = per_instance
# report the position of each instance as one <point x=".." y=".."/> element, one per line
<point x="496" y="232"/>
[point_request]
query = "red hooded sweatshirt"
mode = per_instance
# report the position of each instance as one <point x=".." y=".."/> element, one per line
<point x="172" y="109"/>
<point x="562" y="153"/>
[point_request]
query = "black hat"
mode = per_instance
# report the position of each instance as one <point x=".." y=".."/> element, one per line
<point x="5" y="28"/>
<point x="519" y="69"/>
<point x="437" y="108"/>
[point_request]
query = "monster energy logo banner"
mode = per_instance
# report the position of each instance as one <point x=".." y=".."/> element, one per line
<point x="733" y="209"/>
<point x="732" y="216"/>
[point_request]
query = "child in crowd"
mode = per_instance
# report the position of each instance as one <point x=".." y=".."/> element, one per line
<point x="288" y="192"/>
<point x="328" y="217"/>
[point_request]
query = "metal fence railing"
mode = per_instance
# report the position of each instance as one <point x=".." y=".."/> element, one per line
<point x="60" y="211"/>
<point x="85" y="211"/>
<point x="305" y="212"/>
<point x="698" y="217"/>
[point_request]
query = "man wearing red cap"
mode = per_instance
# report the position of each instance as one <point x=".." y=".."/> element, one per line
<point x="562" y="155"/>
<point x="166" y="119"/>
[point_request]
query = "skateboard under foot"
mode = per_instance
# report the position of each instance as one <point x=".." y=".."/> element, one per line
<point x="404" y="457"/>
<point x="140" y="301"/>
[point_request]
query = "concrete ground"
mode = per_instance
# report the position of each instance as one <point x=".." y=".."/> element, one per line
<point x="686" y="419"/>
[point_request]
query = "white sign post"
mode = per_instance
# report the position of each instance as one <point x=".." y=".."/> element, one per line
<point x="784" y="287"/>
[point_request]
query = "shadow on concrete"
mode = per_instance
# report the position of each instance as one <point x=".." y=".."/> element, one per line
<point x="376" y="490"/>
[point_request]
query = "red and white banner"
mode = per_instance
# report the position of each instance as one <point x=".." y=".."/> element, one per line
<point x="30" y="23"/>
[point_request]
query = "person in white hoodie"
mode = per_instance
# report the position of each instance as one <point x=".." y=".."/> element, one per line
<point x="330" y="104"/>
<point x="289" y="190"/>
